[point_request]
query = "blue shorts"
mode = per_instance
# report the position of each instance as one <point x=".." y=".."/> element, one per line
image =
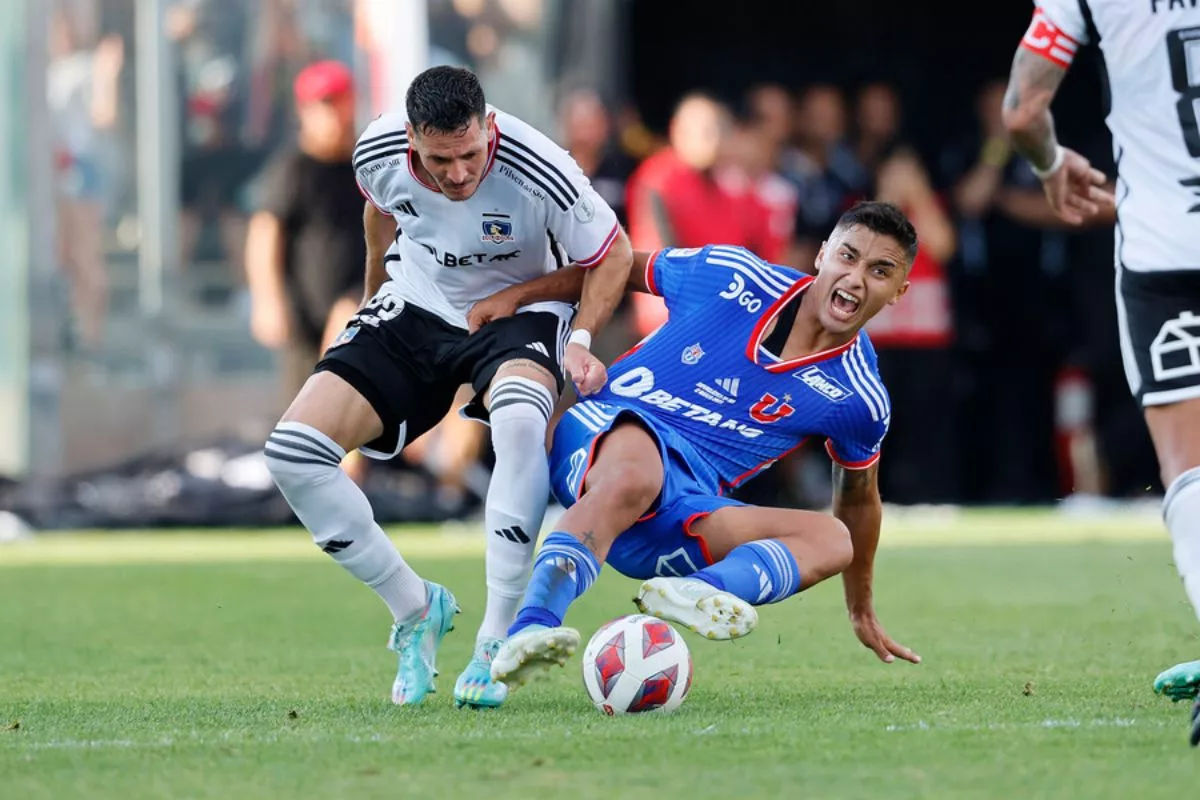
<point x="661" y="543"/>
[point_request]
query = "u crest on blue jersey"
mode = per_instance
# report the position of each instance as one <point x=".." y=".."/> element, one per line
<point x="691" y="354"/>
<point x="770" y="408"/>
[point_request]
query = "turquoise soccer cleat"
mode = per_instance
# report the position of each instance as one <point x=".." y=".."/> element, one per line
<point x="416" y="644"/>
<point x="475" y="687"/>
<point x="1180" y="682"/>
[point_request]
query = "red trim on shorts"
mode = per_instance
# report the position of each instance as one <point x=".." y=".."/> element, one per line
<point x="850" y="464"/>
<point x="599" y="255"/>
<point x="687" y="529"/>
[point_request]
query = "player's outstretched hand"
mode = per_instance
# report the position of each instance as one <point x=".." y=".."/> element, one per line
<point x="503" y="303"/>
<point x="874" y="637"/>
<point x="1076" y="189"/>
<point x="585" y="370"/>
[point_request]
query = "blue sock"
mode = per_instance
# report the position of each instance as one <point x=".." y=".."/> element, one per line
<point x="758" y="572"/>
<point x="563" y="570"/>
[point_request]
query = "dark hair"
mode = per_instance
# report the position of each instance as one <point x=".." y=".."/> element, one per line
<point x="885" y="219"/>
<point x="444" y="99"/>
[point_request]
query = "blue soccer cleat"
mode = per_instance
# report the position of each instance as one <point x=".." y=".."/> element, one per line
<point x="475" y="687"/>
<point x="416" y="644"/>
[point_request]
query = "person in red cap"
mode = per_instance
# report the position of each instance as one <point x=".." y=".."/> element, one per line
<point x="305" y="249"/>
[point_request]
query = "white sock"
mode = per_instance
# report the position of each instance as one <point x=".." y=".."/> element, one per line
<point x="304" y="463"/>
<point x="516" y="498"/>
<point x="1181" y="510"/>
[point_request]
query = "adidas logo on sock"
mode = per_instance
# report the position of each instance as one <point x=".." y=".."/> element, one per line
<point x="764" y="584"/>
<point x="513" y="534"/>
<point x="335" y="546"/>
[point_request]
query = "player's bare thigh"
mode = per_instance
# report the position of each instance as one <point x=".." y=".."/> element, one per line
<point x="1175" y="429"/>
<point x="336" y="409"/>
<point x="622" y="483"/>
<point x="819" y="542"/>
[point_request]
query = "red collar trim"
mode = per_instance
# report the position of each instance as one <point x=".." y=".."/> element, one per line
<point x="758" y="334"/>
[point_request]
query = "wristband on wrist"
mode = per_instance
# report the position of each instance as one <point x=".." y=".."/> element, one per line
<point x="581" y="337"/>
<point x="1060" y="156"/>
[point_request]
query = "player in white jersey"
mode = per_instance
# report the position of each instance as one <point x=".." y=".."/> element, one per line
<point x="466" y="200"/>
<point x="1151" y="51"/>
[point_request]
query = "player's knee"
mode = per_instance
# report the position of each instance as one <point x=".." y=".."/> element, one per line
<point x="836" y="542"/>
<point x="630" y="489"/>
<point x="519" y="410"/>
<point x="300" y="457"/>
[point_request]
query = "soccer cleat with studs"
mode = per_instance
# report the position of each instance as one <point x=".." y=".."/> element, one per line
<point x="530" y="654"/>
<point x="698" y="606"/>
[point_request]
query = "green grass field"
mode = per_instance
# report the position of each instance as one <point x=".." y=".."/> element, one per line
<point x="227" y="666"/>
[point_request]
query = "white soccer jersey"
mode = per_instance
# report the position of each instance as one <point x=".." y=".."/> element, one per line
<point x="533" y="212"/>
<point x="1152" y="55"/>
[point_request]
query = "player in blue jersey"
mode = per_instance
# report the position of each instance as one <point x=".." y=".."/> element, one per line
<point x="754" y="359"/>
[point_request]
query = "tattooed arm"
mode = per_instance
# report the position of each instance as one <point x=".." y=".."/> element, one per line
<point x="1031" y="87"/>
<point x="857" y="504"/>
<point x="1074" y="189"/>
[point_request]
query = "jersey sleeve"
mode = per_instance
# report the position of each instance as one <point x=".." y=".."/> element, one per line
<point x="576" y="215"/>
<point x="381" y="161"/>
<point x="1057" y="31"/>
<point x="669" y="274"/>
<point x="856" y="440"/>
<point x="698" y="277"/>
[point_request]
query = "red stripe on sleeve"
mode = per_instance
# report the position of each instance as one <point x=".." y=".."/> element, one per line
<point x="604" y="248"/>
<point x="849" y="464"/>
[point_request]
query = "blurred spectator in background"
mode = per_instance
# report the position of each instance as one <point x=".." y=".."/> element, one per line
<point x="586" y="130"/>
<point x="226" y="113"/>
<point x="764" y="198"/>
<point x="771" y="105"/>
<point x="1007" y="262"/>
<point x="676" y="201"/>
<point x="82" y="85"/>
<point x="877" y="125"/>
<point x="305" y="252"/>
<point x="913" y="340"/>
<point x="823" y="168"/>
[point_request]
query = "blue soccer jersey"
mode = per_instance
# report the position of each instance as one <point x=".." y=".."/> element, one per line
<point x="705" y="376"/>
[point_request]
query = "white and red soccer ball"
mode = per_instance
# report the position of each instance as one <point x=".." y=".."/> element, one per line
<point x="637" y="663"/>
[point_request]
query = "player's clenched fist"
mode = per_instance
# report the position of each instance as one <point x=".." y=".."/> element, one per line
<point x="584" y="369"/>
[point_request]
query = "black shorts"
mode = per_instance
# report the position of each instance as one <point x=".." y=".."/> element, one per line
<point x="409" y="363"/>
<point x="1159" y="317"/>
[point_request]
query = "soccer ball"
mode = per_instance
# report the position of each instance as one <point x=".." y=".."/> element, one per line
<point x="637" y="663"/>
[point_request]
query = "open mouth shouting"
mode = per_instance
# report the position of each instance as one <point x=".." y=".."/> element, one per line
<point x="844" y="305"/>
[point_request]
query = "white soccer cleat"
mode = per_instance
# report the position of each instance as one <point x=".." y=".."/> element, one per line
<point x="530" y="653"/>
<point x="698" y="606"/>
